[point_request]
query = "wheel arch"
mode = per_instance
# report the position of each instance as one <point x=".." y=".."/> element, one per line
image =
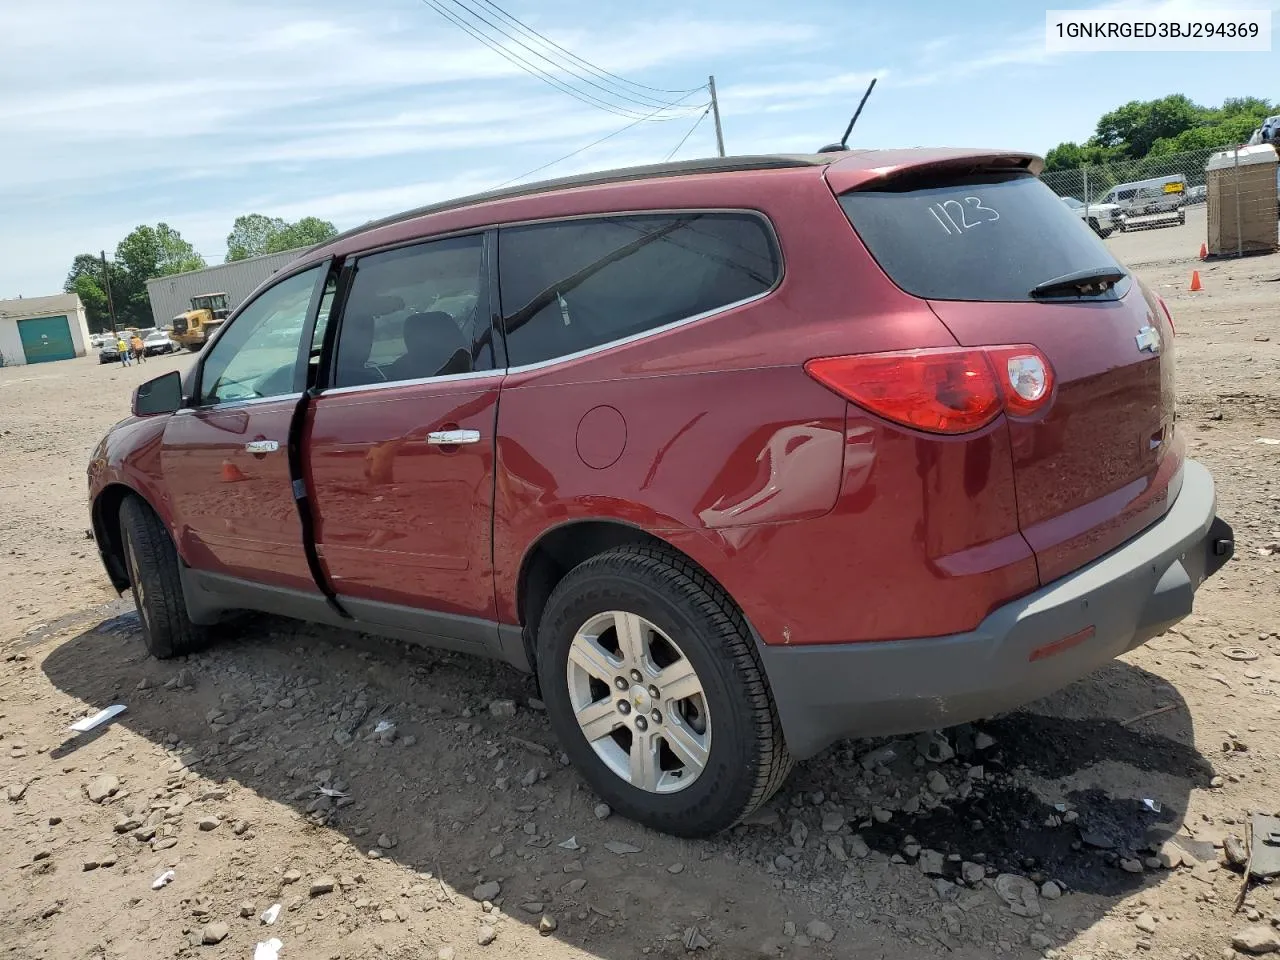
<point x="560" y="548"/>
<point x="105" y="517"/>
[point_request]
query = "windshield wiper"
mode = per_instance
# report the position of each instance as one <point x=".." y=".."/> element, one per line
<point x="1089" y="282"/>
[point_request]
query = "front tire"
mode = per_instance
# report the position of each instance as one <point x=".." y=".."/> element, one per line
<point x="655" y="690"/>
<point x="152" y="563"/>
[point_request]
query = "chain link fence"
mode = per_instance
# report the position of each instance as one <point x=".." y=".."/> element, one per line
<point x="1239" y="188"/>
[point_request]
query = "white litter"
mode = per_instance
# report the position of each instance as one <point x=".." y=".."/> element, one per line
<point x="330" y="792"/>
<point x="570" y="844"/>
<point x="163" y="880"/>
<point x="383" y="726"/>
<point x="269" y="915"/>
<point x="268" y="951"/>
<point x="98" y="719"/>
<point x="1152" y="805"/>
<point x="1268" y="441"/>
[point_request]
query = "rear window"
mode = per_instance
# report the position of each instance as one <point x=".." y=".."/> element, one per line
<point x="988" y="237"/>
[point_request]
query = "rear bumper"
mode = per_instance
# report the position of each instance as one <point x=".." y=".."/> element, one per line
<point x="1022" y="651"/>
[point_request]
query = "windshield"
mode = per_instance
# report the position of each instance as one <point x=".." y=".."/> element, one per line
<point x="990" y="236"/>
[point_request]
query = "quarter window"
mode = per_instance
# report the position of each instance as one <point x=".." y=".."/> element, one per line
<point x="416" y="312"/>
<point x="257" y="356"/>
<point x="572" y="285"/>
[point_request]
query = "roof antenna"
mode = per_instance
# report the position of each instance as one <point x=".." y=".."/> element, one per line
<point x="844" y="141"/>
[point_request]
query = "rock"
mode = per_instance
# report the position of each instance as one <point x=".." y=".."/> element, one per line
<point x="100" y="788"/>
<point x="858" y="849"/>
<point x="496" y="851"/>
<point x="248" y="908"/>
<point x="1051" y="891"/>
<point x="387" y="842"/>
<point x="292" y="876"/>
<point x="602" y="811"/>
<point x="983" y="741"/>
<point x="938" y="784"/>
<point x="1146" y="923"/>
<point x="1019" y="893"/>
<point x="1234" y="850"/>
<point x="789" y="929"/>
<point x="931" y="863"/>
<point x="212" y="933"/>
<point x="502" y="708"/>
<point x="817" y="930"/>
<point x="486" y="935"/>
<point x="881" y="815"/>
<point x="835" y="845"/>
<point x="832" y="822"/>
<point x="620" y="848"/>
<point x="534" y="906"/>
<point x="1039" y="941"/>
<point x="1130" y="865"/>
<point x="240" y="828"/>
<point x="388" y="916"/>
<point x="676" y="868"/>
<point x="486" y="891"/>
<point x="531" y="777"/>
<point x="935" y="747"/>
<point x="322" y="885"/>
<point x="547" y="924"/>
<point x="127" y="824"/>
<point x="1257" y="940"/>
<point x="1172" y="856"/>
<point x="694" y="939"/>
<point x="573" y="887"/>
<point x="799" y="833"/>
<point x="972" y="873"/>
<point x="881" y="756"/>
<point x="445" y="953"/>
<point x="207" y="824"/>
<point x="16" y="791"/>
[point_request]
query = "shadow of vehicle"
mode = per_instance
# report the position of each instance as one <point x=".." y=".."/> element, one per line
<point x="459" y="792"/>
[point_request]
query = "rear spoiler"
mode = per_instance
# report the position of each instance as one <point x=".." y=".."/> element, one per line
<point x="881" y="168"/>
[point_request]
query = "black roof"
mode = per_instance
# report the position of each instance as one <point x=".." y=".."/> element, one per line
<point x="597" y="178"/>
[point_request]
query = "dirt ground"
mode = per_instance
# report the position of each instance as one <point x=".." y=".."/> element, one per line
<point x="1088" y="826"/>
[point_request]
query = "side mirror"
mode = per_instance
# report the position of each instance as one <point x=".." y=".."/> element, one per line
<point x="161" y="395"/>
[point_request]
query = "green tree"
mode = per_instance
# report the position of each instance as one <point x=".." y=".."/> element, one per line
<point x="254" y="234"/>
<point x="1134" y="127"/>
<point x="159" y="251"/>
<point x="305" y="233"/>
<point x="250" y="235"/>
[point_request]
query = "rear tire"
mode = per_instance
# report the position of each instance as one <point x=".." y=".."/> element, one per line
<point x="695" y="745"/>
<point x="152" y="564"/>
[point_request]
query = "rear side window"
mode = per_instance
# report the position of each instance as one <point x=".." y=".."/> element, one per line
<point x="990" y="237"/>
<point x="572" y="285"/>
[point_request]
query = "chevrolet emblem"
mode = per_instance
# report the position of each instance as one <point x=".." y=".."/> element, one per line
<point x="1148" y="338"/>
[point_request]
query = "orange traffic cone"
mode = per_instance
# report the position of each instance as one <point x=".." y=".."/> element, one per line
<point x="230" y="472"/>
<point x="1195" y="281"/>
<point x="1204" y="251"/>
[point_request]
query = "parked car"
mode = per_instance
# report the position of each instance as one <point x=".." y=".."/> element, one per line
<point x="109" y="352"/>
<point x="158" y="342"/>
<point x="1197" y="194"/>
<point x="1103" y="218"/>
<point x="737" y="456"/>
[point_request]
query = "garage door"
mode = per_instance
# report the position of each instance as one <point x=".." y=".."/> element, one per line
<point x="46" y="338"/>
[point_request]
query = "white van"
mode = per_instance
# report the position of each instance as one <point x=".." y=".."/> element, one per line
<point x="1157" y="195"/>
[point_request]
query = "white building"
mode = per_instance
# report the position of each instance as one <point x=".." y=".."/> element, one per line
<point x="40" y="329"/>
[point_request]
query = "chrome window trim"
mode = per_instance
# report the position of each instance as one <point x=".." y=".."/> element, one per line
<point x="416" y="382"/>
<point x="236" y="404"/>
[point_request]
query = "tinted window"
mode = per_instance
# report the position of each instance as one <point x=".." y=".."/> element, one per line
<point x="416" y="312"/>
<point x="984" y="238"/>
<point x="258" y="355"/>
<point x="569" y="286"/>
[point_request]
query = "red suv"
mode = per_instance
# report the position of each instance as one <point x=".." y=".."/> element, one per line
<point x="737" y="456"/>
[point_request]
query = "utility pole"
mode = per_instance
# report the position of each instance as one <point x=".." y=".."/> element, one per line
<point x="715" y="112"/>
<point x="106" y="285"/>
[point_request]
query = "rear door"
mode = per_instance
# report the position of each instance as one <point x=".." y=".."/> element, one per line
<point x="400" y="445"/>
<point x="225" y="458"/>
<point x="1102" y="462"/>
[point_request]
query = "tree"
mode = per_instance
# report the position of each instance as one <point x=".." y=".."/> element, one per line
<point x="254" y="234"/>
<point x="1134" y="127"/>
<point x="250" y="235"/>
<point x="159" y="251"/>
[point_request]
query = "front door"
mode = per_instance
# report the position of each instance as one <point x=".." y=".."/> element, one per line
<point x="226" y="457"/>
<point x="400" y="447"/>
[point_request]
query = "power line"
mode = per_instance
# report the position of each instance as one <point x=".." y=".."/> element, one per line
<point x="608" y="88"/>
<point x="609" y="136"/>
<point x="541" y="74"/>
<point x="702" y="116"/>
<point x="598" y="71"/>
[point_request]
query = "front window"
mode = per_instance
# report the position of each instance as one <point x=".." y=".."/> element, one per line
<point x="258" y="355"/>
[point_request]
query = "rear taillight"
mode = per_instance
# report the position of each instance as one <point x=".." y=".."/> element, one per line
<point x="948" y="390"/>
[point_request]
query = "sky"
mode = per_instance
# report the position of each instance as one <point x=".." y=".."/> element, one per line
<point x="141" y="111"/>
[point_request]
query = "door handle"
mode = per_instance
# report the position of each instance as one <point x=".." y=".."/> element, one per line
<point x="262" y="446"/>
<point x="449" y="438"/>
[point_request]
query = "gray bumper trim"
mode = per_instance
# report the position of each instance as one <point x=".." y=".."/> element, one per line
<point x="1127" y="596"/>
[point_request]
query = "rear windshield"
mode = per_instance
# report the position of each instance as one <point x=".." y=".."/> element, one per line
<point x="986" y="237"/>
